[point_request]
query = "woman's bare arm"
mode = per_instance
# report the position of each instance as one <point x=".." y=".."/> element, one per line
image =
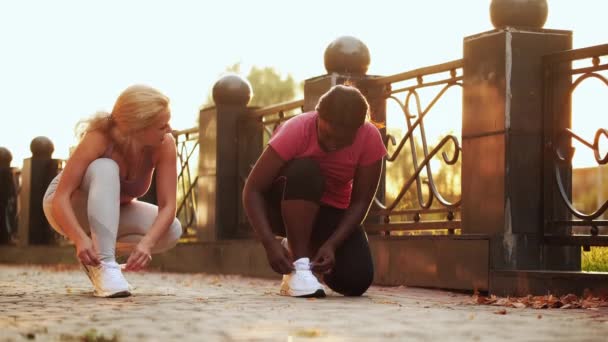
<point x="166" y="188"/>
<point x="260" y="180"/>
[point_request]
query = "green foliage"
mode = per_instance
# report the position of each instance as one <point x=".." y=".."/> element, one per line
<point x="596" y="260"/>
<point x="269" y="86"/>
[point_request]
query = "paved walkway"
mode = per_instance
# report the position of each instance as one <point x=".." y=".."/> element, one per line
<point x="55" y="303"/>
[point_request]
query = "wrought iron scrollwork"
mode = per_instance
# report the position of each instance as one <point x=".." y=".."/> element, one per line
<point x="565" y="157"/>
<point x="415" y="124"/>
<point x="187" y="150"/>
<point x="558" y="66"/>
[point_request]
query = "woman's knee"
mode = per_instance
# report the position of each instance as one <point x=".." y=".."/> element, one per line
<point x="170" y="239"/>
<point x="304" y="180"/>
<point x="361" y="283"/>
<point x="104" y="167"/>
<point x="175" y="231"/>
<point x="352" y="283"/>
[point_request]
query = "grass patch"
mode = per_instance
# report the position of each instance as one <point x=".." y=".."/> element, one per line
<point x="596" y="260"/>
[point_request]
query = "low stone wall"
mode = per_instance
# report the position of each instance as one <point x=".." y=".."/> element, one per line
<point x="450" y="262"/>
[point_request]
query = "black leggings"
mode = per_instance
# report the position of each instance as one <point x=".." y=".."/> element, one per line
<point x="301" y="179"/>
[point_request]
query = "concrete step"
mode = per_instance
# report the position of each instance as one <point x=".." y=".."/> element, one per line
<point x="457" y="262"/>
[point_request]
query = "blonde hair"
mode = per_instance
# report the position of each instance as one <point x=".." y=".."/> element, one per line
<point x="136" y="108"/>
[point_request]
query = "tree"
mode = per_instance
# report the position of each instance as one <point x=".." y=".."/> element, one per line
<point x="268" y="85"/>
<point x="270" y="88"/>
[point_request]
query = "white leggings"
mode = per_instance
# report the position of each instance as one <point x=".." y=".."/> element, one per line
<point x="113" y="227"/>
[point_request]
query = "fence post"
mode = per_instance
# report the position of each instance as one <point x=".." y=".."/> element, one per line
<point x="8" y="198"/>
<point x="346" y="61"/>
<point x="502" y="133"/>
<point x="218" y="182"/>
<point x="36" y="174"/>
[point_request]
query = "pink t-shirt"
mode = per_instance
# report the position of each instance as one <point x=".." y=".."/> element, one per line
<point x="297" y="138"/>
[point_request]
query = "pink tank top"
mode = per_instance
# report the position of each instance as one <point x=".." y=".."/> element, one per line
<point x="297" y="138"/>
<point x="137" y="187"/>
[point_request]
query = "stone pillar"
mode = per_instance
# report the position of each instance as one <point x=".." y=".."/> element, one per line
<point x="502" y="133"/>
<point x="223" y="131"/>
<point x="36" y="174"/>
<point x="346" y="61"/>
<point x="8" y="198"/>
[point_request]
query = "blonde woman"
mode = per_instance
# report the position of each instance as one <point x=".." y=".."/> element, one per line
<point x="93" y="201"/>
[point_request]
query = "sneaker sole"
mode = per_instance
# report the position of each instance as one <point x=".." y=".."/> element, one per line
<point x="120" y="294"/>
<point x="317" y="294"/>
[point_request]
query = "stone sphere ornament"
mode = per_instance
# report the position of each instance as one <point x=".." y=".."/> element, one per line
<point x="5" y="157"/>
<point x="42" y="147"/>
<point x="232" y="89"/>
<point x="519" y="13"/>
<point x="347" y="54"/>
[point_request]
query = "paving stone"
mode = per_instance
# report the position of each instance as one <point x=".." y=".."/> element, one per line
<point x="56" y="303"/>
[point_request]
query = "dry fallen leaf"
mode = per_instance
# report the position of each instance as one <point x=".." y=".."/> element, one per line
<point x="569" y="301"/>
<point x="518" y="305"/>
<point x="309" y="333"/>
<point x="569" y="298"/>
<point x="502" y="302"/>
<point x="384" y="301"/>
<point x="501" y="312"/>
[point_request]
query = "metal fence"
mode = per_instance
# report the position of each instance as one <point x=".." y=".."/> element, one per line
<point x="187" y="193"/>
<point x="563" y="75"/>
<point x="425" y="208"/>
<point x="272" y="116"/>
<point x="419" y="204"/>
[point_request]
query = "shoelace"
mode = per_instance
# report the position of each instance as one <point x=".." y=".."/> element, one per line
<point x="302" y="265"/>
<point x="308" y="275"/>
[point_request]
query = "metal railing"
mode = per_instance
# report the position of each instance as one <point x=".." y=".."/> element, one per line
<point x="561" y="80"/>
<point x="406" y="214"/>
<point x="187" y="144"/>
<point x="435" y="204"/>
<point x="272" y="116"/>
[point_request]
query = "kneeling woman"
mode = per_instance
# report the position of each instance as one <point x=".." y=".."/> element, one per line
<point x="96" y="193"/>
<point x="314" y="183"/>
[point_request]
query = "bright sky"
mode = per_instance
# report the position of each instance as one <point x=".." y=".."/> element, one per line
<point x="63" y="60"/>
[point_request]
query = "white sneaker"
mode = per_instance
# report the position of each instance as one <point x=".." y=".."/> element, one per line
<point x="301" y="282"/>
<point x="108" y="280"/>
<point x="122" y="267"/>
